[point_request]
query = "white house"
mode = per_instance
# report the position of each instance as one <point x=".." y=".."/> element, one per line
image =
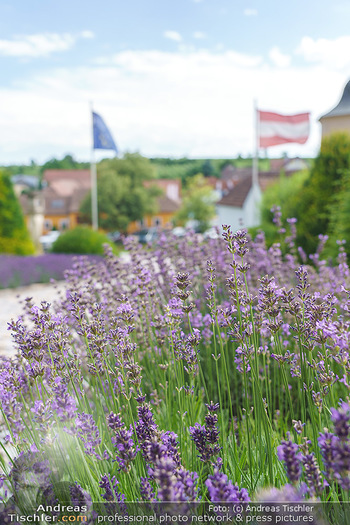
<point x="240" y="207"/>
<point x="240" y="204"/>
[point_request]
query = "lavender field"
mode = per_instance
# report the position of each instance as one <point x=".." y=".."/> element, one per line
<point x="213" y="371"/>
<point x="16" y="270"/>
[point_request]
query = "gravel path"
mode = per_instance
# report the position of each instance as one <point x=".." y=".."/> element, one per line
<point x="11" y="304"/>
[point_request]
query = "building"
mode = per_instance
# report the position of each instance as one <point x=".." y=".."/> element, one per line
<point x="240" y="205"/>
<point x="338" y="119"/>
<point x="63" y="194"/>
<point x="167" y="205"/>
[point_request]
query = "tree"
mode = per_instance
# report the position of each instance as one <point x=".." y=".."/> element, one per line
<point x="339" y="221"/>
<point x="122" y="194"/>
<point x="14" y="237"/>
<point x="207" y="168"/>
<point x="315" y="198"/>
<point x="198" y="203"/>
<point x="67" y="163"/>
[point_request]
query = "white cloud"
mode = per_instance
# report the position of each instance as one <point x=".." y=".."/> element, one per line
<point x="278" y="58"/>
<point x="87" y="34"/>
<point x="198" y="103"/>
<point x="250" y="12"/>
<point x="40" y="45"/>
<point x="199" y="35"/>
<point x="330" y="53"/>
<point x="173" y="35"/>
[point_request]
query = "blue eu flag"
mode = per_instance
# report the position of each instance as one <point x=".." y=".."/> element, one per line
<point x="102" y="136"/>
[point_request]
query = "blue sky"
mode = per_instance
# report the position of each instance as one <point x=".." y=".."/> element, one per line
<point x="170" y="78"/>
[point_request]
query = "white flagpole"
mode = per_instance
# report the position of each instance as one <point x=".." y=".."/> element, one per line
<point x="94" y="207"/>
<point x="255" y="174"/>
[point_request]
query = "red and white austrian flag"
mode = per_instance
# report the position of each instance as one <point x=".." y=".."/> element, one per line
<point x="277" y="129"/>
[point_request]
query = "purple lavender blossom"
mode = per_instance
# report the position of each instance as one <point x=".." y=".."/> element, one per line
<point x="63" y="403"/>
<point x="288" y="452"/>
<point x="341" y="418"/>
<point x="206" y="436"/>
<point x="165" y="478"/>
<point x="87" y="430"/>
<point x="16" y="270"/>
<point x="169" y="440"/>
<point x="313" y="477"/>
<point x="146" y="490"/>
<point x="123" y="442"/>
<point x="110" y="486"/>
<point x="146" y="427"/>
<point x="79" y="496"/>
<point x="222" y="489"/>
<point x="335" y="448"/>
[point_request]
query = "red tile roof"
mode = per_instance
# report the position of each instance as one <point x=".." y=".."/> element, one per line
<point x="66" y="182"/>
<point x="65" y="191"/>
<point x="166" y="205"/>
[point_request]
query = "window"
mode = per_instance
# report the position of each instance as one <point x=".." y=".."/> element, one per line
<point x="48" y="224"/>
<point x="57" y="203"/>
<point x="63" y="224"/>
<point x="157" y="221"/>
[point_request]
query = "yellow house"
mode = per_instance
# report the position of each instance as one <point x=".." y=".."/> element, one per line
<point x="167" y="205"/>
<point x="338" y="119"/>
<point x="63" y="195"/>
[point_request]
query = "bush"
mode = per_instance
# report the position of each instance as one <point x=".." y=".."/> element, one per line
<point x="81" y="240"/>
<point x="286" y="194"/>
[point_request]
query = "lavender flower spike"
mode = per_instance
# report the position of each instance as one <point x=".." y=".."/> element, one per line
<point x="288" y="452"/>
<point x="222" y="489"/>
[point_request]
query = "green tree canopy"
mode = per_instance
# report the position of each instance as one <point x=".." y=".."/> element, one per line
<point x="122" y="195"/>
<point x="66" y="163"/>
<point x="198" y="203"/>
<point x="14" y="237"/>
<point x="319" y="200"/>
<point x="316" y="195"/>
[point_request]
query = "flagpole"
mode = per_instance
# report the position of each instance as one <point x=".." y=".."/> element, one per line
<point x="93" y="170"/>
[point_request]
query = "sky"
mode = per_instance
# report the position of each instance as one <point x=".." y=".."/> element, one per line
<point x="171" y="78"/>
